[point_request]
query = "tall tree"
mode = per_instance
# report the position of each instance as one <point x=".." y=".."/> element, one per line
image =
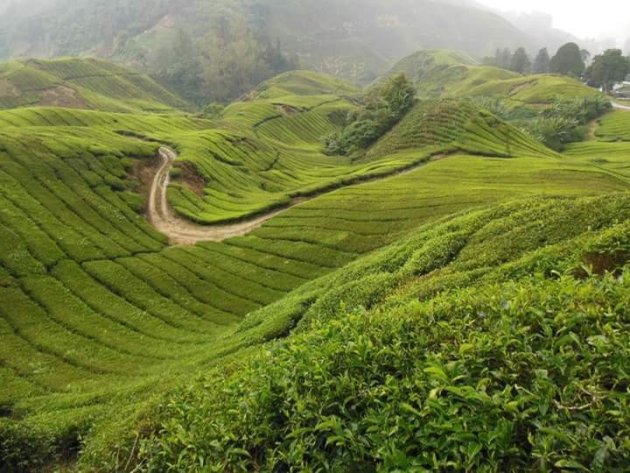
<point x="541" y="63"/>
<point x="608" y="69"/>
<point x="506" y="59"/>
<point x="520" y="62"/>
<point x="568" y="61"/>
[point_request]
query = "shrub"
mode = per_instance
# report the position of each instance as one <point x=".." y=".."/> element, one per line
<point x="520" y="376"/>
<point x="385" y="105"/>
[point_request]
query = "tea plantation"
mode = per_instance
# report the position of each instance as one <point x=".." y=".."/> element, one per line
<point x="451" y="298"/>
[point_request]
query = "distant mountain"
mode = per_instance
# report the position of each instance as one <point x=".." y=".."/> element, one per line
<point x="218" y="49"/>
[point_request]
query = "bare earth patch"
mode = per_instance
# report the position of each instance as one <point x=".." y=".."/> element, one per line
<point x="143" y="174"/>
<point x="190" y="178"/>
<point x="62" y="96"/>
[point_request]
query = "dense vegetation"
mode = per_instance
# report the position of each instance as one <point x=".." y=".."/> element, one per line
<point x="555" y="110"/>
<point x="378" y="298"/>
<point x="76" y="83"/>
<point x="464" y="347"/>
<point x="384" y="107"/>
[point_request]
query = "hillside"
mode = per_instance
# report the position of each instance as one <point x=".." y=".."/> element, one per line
<point x="374" y="301"/>
<point x="356" y="39"/>
<point x="440" y="73"/>
<point x="81" y="83"/>
<point x="553" y="109"/>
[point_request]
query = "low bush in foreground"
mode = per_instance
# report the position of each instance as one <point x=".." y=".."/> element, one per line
<point x="527" y="376"/>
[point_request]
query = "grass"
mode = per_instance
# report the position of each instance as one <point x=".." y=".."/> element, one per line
<point x="100" y="317"/>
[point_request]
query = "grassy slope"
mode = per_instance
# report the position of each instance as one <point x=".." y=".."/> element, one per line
<point x="267" y="149"/>
<point x="440" y="73"/>
<point x="99" y="314"/>
<point x="81" y="83"/>
<point x="610" y="150"/>
<point x="477" y="330"/>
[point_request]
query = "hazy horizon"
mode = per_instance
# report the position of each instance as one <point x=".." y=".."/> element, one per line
<point x="610" y="20"/>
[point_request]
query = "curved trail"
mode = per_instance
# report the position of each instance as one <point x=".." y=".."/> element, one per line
<point x="184" y="232"/>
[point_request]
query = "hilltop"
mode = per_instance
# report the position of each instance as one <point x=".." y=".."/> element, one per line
<point x="440" y="73"/>
<point x="437" y="283"/>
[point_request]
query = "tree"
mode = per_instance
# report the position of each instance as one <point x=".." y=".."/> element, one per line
<point x="541" y="63"/>
<point x="568" y="61"/>
<point x="506" y="59"/>
<point x="520" y="62"/>
<point x="385" y="105"/>
<point x="399" y="94"/>
<point x="608" y="69"/>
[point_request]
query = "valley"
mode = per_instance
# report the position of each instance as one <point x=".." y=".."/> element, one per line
<point x="183" y="292"/>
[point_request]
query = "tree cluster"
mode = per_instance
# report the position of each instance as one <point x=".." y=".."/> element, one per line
<point x="385" y="105"/>
<point x="232" y="58"/>
<point x="605" y="70"/>
<point x="608" y="69"/>
<point x="569" y="60"/>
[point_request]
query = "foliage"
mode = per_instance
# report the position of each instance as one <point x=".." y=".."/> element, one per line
<point x="213" y="110"/>
<point x="564" y="121"/>
<point x="516" y="369"/>
<point x="520" y="62"/>
<point x="100" y="316"/>
<point x="542" y="62"/>
<point x="568" y="61"/>
<point x="82" y="83"/>
<point x="231" y="45"/>
<point x="607" y="69"/>
<point x="385" y="105"/>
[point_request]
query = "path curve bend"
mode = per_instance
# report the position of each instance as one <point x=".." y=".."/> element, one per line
<point x="184" y="232"/>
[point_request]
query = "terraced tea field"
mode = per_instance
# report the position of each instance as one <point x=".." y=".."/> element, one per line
<point x="100" y="311"/>
<point x="453" y="74"/>
<point x="81" y="83"/>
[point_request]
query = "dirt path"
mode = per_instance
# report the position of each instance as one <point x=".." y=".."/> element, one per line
<point x="184" y="232"/>
<point x="620" y="107"/>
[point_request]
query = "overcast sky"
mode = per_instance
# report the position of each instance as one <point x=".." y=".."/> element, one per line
<point x="583" y="18"/>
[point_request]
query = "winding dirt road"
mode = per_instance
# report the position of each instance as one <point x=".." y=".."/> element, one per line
<point x="184" y="232"/>
<point x="620" y="107"/>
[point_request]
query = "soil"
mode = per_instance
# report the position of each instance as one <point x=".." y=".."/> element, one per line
<point x="62" y="96"/>
<point x="191" y="179"/>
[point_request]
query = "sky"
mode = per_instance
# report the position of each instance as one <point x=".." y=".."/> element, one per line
<point x="585" y="19"/>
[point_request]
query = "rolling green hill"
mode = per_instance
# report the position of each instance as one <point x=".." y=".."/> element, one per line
<point x="81" y="83"/>
<point x="121" y="350"/>
<point x="439" y="73"/>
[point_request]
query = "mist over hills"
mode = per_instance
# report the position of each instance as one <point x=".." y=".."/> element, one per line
<point x="174" y="40"/>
